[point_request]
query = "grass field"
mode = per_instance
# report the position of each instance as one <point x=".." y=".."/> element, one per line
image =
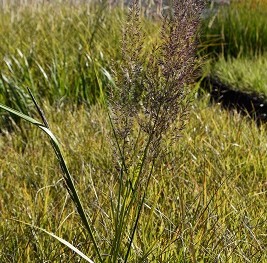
<point x="205" y="201"/>
<point x="61" y="52"/>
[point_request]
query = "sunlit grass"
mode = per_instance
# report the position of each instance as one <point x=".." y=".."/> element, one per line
<point x="208" y="202"/>
<point x="244" y="74"/>
<point x="56" y="51"/>
<point x="63" y="53"/>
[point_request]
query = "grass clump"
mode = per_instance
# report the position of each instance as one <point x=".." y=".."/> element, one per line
<point x="244" y="74"/>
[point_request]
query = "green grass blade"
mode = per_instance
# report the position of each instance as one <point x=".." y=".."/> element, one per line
<point x="63" y="241"/>
<point x="21" y="115"/>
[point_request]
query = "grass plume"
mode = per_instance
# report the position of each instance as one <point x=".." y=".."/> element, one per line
<point x="148" y="106"/>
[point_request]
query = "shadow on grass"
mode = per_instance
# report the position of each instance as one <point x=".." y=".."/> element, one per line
<point x="249" y="104"/>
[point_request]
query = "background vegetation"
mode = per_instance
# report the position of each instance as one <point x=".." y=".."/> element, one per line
<point x="243" y="74"/>
<point x="235" y="40"/>
<point x="206" y="201"/>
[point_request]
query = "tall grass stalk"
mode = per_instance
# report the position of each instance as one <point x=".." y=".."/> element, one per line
<point x="147" y="106"/>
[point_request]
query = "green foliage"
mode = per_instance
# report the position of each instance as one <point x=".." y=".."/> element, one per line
<point x="244" y="74"/>
<point x="56" y="51"/>
<point x="238" y="29"/>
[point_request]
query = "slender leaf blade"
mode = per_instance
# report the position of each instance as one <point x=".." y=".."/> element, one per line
<point x="63" y="241"/>
<point x="21" y="115"/>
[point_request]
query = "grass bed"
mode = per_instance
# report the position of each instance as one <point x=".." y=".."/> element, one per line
<point x="207" y="204"/>
<point x="243" y="74"/>
<point x="234" y="36"/>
